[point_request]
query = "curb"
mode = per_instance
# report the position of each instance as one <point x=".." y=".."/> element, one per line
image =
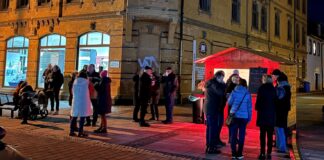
<point x="295" y="153"/>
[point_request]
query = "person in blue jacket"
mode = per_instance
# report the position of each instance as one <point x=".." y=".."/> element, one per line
<point x="241" y="102"/>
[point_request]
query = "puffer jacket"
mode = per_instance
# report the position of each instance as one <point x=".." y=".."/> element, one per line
<point x="245" y="110"/>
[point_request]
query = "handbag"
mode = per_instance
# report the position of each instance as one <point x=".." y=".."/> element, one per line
<point x="229" y="119"/>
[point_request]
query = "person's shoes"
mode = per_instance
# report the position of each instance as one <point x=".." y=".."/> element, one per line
<point x="136" y="120"/>
<point x="82" y="135"/>
<point x="240" y="157"/>
<point x="221" y="144"/>
<point x="213" y="151"/>
<point x="24" y="122"/>
<point x="268" y="156"/>
<point x="261" y="157"/>
<point x="233" y="156"/>
<point x="144" y="124"/>
<point x="152" y="119"/>
<point x="55" y="113"/>
<point x="72" y="134"/>
<point x="100" y="130"/>
<point x="167" y="122"/>
<point x="87" y="124"/>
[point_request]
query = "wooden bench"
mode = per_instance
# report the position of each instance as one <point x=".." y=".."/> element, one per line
<point x="6" y="104"/>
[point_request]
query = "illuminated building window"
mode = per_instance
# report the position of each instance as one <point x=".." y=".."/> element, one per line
<point x="16" y="61"/>
<point x="264" y="19"/>
<point x="314" y="48"/>
<point x="22" y="3"/>
<point x="255" y="15"/>
<point x="52" y="51"/>
<point x="204" y="5"/>
<point x="236" y="10"/>
<point x="4" y="4"/>
<point x="277" y="24"/>
<point x="94" y="49"/>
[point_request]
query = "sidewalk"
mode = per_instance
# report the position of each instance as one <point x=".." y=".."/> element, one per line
<point x="125" y="139"/>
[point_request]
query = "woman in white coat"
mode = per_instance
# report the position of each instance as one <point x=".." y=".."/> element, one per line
<point x="81" y="104"/>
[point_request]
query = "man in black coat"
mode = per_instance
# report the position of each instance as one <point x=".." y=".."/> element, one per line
<point x="266" y="114"/>
<point x="214" y="110"/>
<point x="55" y="82"/>
<point x="145" y="94"/>
<point x="171" y="84"/>
<point x="136" y="99"/>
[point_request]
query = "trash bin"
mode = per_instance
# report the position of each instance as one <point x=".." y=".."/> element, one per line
<point x="197" y="108"/>
<point x="306" y="86"/>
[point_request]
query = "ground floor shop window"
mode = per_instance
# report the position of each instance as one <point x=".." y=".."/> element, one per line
<point x="16" y="67"/>
<point x="99" y="56"/>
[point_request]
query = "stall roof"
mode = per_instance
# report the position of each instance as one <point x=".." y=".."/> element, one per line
<point x="259" y="53"/>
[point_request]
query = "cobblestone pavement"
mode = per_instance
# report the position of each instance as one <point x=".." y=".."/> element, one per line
<point x="48" y="138"/>
<point x="310" y="121"/>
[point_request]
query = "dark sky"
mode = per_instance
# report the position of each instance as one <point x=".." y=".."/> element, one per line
<point x="316" y="10"/>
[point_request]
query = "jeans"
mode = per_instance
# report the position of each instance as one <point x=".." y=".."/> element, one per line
<point x="55" y="95"/>
<point x="169" y="107"/>
<point x="266" y="131"/>
<point x="136" y="108"/>
<point x="211" y="131"/>
<point x="281" y="139"/>
<point x="73" y="124"/>
<point x="143" y="109"/>
<point x="238" y="127"/>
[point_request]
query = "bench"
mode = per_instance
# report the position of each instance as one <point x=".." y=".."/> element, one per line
<point x="6" y="104"/>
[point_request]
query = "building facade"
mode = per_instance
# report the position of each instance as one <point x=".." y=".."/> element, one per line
<point x="314" y="63"/>
<point x="125" y="35"/>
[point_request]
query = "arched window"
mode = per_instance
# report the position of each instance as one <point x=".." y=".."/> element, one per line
<point x="255" y="15"/>
<point x="16" y="61"/>
<point x="52" y="51"/>
<point x="94" y="49"/>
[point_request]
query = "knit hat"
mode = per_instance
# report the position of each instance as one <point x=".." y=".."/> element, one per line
<point x="104" y="73"/>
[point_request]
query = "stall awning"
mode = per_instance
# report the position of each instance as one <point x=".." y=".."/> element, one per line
<point x="258" y="53"/>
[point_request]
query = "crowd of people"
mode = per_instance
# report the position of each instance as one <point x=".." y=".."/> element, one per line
<point x="147" y="93"/>
<point x="272" y="106"/>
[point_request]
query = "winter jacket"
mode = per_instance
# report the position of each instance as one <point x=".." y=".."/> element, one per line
<point x="57" y="80"/>
<point x="81" y="104"/>
<point x="145" y="88"/>
<point x="283" y="104"/>
<point x="266" y="105"/>
<point x="171" y="84"/>
<point x="215" y="97"/>
<point x="155" y="89"/>
<point x="95" y="78"/>
<point x="236" y="100"/>
<point x="104" y="96"/>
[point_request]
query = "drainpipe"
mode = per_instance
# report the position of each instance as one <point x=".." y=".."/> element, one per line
<point x="295" y="34"/>
<point x="180" y="49"/>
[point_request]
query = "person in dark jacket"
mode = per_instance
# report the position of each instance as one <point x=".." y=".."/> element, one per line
<point x="282" y="109"/>
<point x="25" y="93"/>
<point x="155" y="97"/>
<point x="47" y="71"/>
<point x="266" y="114"/>
<point x="136" y="99"/>
<point x="104" y="100"/>
<point x="94" y="78"/>
<point x="214" y="105"/>
<point x="171" y="84"/>
<point x="70" y="84"/>
<point x="55" y="81"/>
<point x="145" y="94"/>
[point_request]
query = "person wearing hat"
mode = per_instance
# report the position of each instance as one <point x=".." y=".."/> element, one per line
<point x="145" y="94"/>
<point x="214" y="105"/>
<point x="170" y="81"/>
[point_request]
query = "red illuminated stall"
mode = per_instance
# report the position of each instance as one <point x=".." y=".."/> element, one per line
<point x="252" y="64"/>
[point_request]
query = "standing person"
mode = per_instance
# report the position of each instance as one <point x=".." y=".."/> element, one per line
<point x="231" y="83"/>
<point x="94" y="78"/>
<point x="170" y="81"/>
<point x="104" y="100"/>
<point x="100" y="69"/>
<point x="136" y="99"/>
<point x="55" y="82"/>
<point x="241" y="102"/>
<point x="266" y="114"/>
<point x="215" y="102"/>
<point x="25" y="92"/>
<point x="155" y="96"/>
<point x="282" y="109"/>
<point x="84" y="68"/>
<point x="47" y="71"/>
<point x="145" y="94"/>
<point x="70" y="84"/>
<point x="81" y="104"/>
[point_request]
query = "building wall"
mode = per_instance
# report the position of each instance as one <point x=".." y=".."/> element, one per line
<point x="314" y="63"/>
<point x="71" y="21"/>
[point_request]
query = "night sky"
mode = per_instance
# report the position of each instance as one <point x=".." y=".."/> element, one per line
<point x="316" y="10"/>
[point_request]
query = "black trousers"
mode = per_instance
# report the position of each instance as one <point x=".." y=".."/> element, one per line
<point x="143" y="109"/>
<point x="154" y="107"/>
<point x="137" y="108"/>
<point x="266" y="131"/>
<point x="94" y="103"/>
<point x="55" y="95"/>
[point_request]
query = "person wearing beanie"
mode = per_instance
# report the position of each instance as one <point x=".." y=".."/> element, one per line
<point x="104" y="100"/>
<point x="214" y="105"/>
<point x="145" y="94"/>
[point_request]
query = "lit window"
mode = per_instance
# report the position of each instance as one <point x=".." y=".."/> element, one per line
<point x="52" y="51"/>
<point x="94" y="49"/>
<point x="16" y="61"/>
<point x="314" y="48"/>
